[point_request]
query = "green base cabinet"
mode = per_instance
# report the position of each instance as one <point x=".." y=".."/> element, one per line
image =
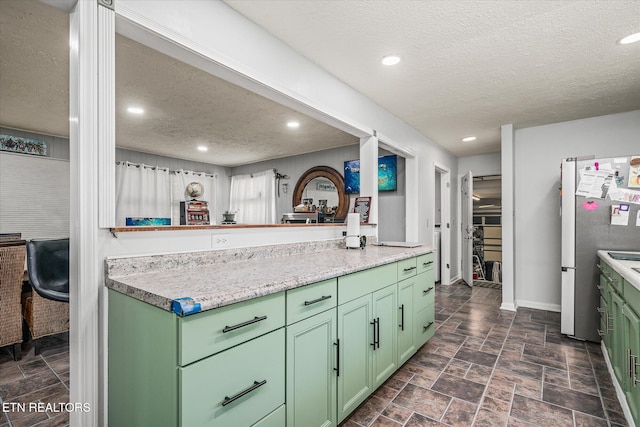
<point x="632" y="377"/>
<point x="355" y="333"/>
<point x="312" y="348"/>
<point x="406" y="344"/>
<point x="620" y="331"/>
<point x="385" y="352"/>
<point x="307" y="357"/>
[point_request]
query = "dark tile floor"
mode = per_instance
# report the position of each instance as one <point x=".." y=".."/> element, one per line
<point x="41" y="379"/>
<point x="486" y="367"/>
<point x="483" y="367"/>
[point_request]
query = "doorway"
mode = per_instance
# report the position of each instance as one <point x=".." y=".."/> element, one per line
<point x="442" y="222"/>
<point x="487" y="235"/>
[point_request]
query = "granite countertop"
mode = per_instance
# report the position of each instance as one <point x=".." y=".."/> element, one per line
<point x="213" y="280"/>
<point x="628" y="269"/>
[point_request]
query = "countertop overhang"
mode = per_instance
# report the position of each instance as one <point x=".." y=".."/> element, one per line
<point x="624" y="267"/>
<point x="220" y="283"/>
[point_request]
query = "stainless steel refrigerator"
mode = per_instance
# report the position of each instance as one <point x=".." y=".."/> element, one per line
<point x="586" y="216"/>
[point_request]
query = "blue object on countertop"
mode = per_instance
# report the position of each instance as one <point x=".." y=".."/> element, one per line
<point x="185" y="306"/>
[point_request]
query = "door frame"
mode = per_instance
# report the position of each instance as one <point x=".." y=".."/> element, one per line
<point x="463" y="232"/>
<point x="445" y="220"/>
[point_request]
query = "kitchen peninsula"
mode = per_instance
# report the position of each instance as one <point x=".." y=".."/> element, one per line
<point x="268" y="336"/>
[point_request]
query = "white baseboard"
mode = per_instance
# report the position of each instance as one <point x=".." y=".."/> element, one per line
<point x="508" y="306"/>
<point x="619" y="393"/>
<point x="539" y="305"/>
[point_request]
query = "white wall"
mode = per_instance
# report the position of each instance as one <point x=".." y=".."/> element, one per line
<point x="538" y="154"/>
<point x="485" y="164"/>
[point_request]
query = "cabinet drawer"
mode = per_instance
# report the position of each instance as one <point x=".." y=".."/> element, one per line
<point x="425" y="290"/>
<point x="201" y="335"/>
<point x="426" y="262"/>
<point x="425" y="325"/>
<point x="309" y="300"/>
<point x="407" y="268"/>
<point x="355" y="285"/>
<point x="275" y="419"/>
<point x="237" y="387"/>
<point x="632" y="296"/>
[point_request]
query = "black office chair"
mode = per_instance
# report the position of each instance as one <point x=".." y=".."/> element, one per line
<point x="46" y="307"/>
<point x="48" y="267"/>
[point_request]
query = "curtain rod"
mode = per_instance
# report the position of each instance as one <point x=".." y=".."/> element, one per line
<point x="175" y="172"/>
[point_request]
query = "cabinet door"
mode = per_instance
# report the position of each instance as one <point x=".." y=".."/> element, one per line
<point x="355" y="332"/>
<point x="385" y="352"/>
<point x="618" y="356"/>
<point x="425" y="325"/>
<point x="406" y="346"/>
<point x="311" y="378"/>
<point x="632" y="345"/>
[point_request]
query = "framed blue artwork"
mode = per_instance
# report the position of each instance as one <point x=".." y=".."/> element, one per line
<point x="387" y="174"/>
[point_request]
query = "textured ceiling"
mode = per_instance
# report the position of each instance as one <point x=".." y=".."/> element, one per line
<point x="184" y="106"/>
<point x="469" y="67"/>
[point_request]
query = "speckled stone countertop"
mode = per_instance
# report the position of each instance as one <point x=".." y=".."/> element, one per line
<point x="630" y="270"/>
<point x="214" y="279"/>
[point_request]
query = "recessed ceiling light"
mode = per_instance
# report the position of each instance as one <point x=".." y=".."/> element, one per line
<point x="630" y="39"/>
<point x="135" y="110"/>
<point x="293" y="125"/>
<point x="202" y="148"/>
<point x="468" y="138"/>
<point x="390" y="60"/>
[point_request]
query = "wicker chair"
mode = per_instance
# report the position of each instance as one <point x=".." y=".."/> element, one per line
<point x="12" y="256"/>
<point x="45" y="307"/>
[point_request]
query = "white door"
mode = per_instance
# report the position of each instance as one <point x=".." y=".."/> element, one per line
<point x="467" y="227"/>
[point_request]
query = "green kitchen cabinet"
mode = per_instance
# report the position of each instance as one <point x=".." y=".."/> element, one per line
<point x="312" y="371"/>
<point x="306" y="357"/>
<point x="618" y="352"/>
<point x="406" y="344"/>
<point x="632" y="356"/>
<point x="215" y="368"/>
<point x="368" y="346"/>
<point x="356" y="335"/>
<point x="384" y="352"/>
<point x="622" y="342"/>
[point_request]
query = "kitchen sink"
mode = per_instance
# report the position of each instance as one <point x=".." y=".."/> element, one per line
<point x="625" y="256"/>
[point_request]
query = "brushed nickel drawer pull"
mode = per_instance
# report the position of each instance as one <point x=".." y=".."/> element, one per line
<point x="322" y="298"/>
<point x="244" y="392"/>
<point x="243" y="324"/>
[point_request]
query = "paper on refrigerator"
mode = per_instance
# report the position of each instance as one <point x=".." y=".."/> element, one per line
<point x="594" y="183"/>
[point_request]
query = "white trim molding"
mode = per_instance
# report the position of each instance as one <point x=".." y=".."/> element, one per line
<point x="508" y="213"/>
<point x="106" y="118"/>
<point x="85" y="261"/>
<point x="537" y="305"/>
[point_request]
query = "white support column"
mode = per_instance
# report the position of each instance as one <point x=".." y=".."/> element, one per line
<point x="412" y="231"/>
<point x="369" y="174"/>
<point x="86" y="258"/>
<point x="106" y="113"/>
<point x="508" y="213"/>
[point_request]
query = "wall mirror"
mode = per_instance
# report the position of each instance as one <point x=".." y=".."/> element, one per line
<point x="177" y="116"/>
<point x="322" y="186"/>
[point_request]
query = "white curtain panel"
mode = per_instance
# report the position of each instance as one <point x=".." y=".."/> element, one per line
<point x="142" y="191"/>
<point x="253" y="198"/>
<point x="179" y="181"/>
